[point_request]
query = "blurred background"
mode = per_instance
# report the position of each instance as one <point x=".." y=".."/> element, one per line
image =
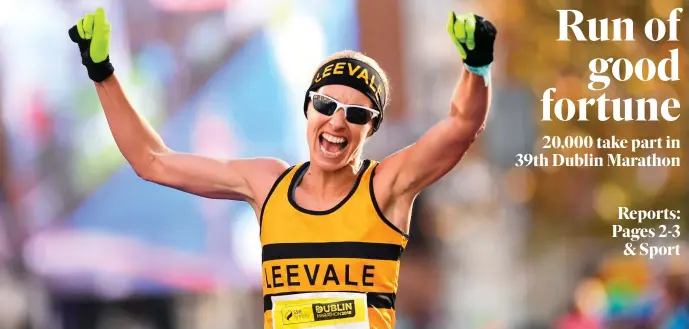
<point x="84" y="243"/>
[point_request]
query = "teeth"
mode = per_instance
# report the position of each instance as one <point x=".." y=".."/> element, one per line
<point x="333" y="139"/>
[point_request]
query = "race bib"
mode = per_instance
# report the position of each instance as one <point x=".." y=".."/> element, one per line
<point x="321" y="310"/>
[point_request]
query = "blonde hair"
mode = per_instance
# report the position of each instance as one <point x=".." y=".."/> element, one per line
<point x="353" y="54"/>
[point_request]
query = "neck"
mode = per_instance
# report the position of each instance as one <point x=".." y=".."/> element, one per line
<point x="326" y="184"/>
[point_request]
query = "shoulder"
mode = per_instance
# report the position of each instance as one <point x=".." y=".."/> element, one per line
<point x="273" y="165"/>
<point x="387" y="173"/>
<point x="262" y="175"/>
<point x="266" y="171"/>
<point x="392" y="206"/>
<point x="387" y="179"/>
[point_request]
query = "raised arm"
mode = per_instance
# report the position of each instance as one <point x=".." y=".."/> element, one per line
<point x="153" y="161"/>
<point x="407" y="172"/>
<point x="246" y="179"/>
<point x="438" y="151"/>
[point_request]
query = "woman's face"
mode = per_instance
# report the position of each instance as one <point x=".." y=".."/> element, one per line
<point x="333" y="141"/>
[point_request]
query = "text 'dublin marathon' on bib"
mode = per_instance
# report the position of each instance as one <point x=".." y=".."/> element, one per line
<point x="328" y="310"/>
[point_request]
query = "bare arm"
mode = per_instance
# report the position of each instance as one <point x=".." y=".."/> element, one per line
<point x="412" y="169"/>
<point x="146" y="152"/>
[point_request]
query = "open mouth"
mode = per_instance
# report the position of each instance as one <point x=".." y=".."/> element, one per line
<point x="332" y="146"/>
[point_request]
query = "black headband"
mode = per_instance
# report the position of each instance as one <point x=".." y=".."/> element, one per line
<point x="353" y="73"/>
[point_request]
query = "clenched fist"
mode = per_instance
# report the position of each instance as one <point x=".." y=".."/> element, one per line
<point x="474" y="38"/>
<point x="92" y="35"/>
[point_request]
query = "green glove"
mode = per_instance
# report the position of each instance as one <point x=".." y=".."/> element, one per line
<point x="474" y="38"/>
<point x="92" y="35"/>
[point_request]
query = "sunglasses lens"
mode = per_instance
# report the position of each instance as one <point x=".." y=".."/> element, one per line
<point x="323" y="105"/>
<point x="326" y="106"/>
<point x="358" y="115"/>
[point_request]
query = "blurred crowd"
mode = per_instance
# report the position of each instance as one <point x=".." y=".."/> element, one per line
<point x="623" y="294"/>
<point x="85" y="244"/>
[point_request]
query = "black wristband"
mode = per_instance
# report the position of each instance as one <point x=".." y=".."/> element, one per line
<point x="98" y="72"/>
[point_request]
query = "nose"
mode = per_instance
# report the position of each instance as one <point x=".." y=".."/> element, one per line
<point x="338" y="120"/>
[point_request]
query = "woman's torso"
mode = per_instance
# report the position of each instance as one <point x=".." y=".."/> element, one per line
<point x="329" y="269"/>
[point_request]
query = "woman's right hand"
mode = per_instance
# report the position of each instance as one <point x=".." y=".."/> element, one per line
<point x="247" y="180"/>
<point x="92" y="35"/>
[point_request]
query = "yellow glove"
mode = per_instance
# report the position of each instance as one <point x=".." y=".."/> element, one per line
<point x="474" y="38"/>
<point x="92" y="35"/>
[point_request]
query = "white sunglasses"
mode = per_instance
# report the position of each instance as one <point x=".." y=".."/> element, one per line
<point x="355" y="114"/>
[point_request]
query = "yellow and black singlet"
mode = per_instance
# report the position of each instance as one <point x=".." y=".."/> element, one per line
<point x="334" y="269"/>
